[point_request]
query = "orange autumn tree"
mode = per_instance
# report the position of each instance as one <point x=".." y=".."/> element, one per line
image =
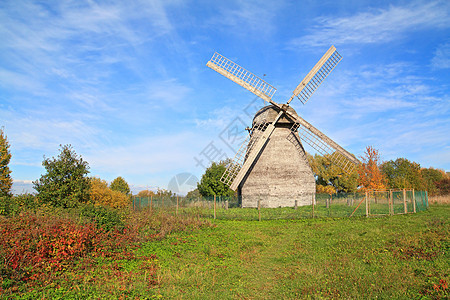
<point x="370" y="176"/>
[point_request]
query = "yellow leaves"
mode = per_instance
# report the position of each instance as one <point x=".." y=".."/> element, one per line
<point x="321" y="189"/>
<point x="101" y="194"/>
<point x="145" y="193"/>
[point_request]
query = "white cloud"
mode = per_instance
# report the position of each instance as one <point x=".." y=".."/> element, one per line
<point x="251" y="16"/>
<point x="441" y="59"/>
<point x="22" y="186"/>
<point x="377" y="26"/>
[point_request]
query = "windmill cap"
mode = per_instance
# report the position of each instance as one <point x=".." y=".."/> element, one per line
<point x="268" y="113"/>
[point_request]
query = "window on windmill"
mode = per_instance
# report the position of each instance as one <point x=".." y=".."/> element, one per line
<point x="234" y="134"/>
<point x="210" y="154"/>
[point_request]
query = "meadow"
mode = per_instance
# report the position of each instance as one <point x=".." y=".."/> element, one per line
<point x="157" y="254"/>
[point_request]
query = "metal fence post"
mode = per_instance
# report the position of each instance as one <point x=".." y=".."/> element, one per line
<point x="414" y="200"/>
<point x="214" y="207"/>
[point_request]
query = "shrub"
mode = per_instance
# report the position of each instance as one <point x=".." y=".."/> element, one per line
<point x="102" y="195"/>
<point x="103" y="217"/>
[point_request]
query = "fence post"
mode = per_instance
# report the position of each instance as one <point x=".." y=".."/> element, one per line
<point x="367" y="205"/>
<point x="295" y="207"/>
<point x="404" y="201"/>
<point x="226" y="204"/>
<point x="313" y="205"/>
<point x="177" y="206"/>
<point x="259" y="209"/>
<point x="414" y="200"/>
<point x="134" y="198"/>
<point x="391" y="203"/>
<point x="151" y="202"/>
<point x="214" y="207"/>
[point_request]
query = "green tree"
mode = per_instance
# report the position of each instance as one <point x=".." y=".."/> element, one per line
<point x="430" y="178"/>
<point x="194" y="194"/>
<point x="402" y="174"/>
<point x="5" y="172"/>
<point x="119" y="184"/>
<point x="329" y="175"/>
<point x="210" y="183"/>
<point x="66" y="183"/>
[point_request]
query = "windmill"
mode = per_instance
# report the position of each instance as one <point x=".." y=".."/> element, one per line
<point x="271" y="164"/>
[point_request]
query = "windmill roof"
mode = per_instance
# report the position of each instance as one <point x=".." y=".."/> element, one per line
<point x="269" y="113"/>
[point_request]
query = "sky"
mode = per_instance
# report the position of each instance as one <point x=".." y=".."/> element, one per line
<point x="126" y="82"/>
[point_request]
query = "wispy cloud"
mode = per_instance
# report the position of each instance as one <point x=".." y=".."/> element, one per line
<point x="255" y="16"/>
<point x="441" y="59"/>
<point x="376" y="25"/>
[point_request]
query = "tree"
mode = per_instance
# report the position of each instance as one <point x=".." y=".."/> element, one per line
<point x="119" y="184"/>
<point x="66" y="183"/>
<point x="330" y="177"/>
<point x="403" y="174"/>
<point x="430" y="178"/>
<point x="5" y="172"/>
<point x="102" y="195"/>
<point x="370" y="175"/>
<point x="194" y="194"/>
<point x="443" y="186"/>
<point x="325" y="189"/>
<point x="210" y="183"/>
<point x="146" y="193"/>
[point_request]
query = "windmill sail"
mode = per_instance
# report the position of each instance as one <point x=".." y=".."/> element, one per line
<point x="324" y="145"/>
<point x="317" y="74"/>
<point x="252" y="153"/>
<point x="241" y="155"/>
<point x="242" y="77"/>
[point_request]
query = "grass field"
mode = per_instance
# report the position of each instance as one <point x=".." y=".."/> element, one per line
<point x="400" y="257"/>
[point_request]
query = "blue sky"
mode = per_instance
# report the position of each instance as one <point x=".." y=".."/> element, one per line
<point x="126" y="83"/>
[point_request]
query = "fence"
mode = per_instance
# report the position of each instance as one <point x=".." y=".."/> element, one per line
<point x="371" y="203"/>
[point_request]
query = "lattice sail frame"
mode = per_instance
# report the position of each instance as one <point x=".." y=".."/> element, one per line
<point x="322" y="147"/>
<point x="244" y="151"/>
<point x="317" y="75"/>
<point x="241" y="76"/>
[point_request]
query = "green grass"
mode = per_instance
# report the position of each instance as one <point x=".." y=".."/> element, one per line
<point x="400" y="257"/>
<point x="389" y="257"/>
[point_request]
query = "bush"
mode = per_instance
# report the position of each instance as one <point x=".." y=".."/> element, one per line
<point x="102" y="195"/>
<point x="103" y="217"/>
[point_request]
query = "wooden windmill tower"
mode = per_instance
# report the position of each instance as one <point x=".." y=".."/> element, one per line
<point x="271" y="164"/>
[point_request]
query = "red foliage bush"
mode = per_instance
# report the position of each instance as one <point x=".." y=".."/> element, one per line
<point x="33" y="246"/>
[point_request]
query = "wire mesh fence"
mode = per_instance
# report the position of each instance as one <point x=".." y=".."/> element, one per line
<point x="341" y="205"/>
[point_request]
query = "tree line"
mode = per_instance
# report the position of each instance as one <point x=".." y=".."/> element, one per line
<point x="65" y="184"/>
<point x="371" y="174"/>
